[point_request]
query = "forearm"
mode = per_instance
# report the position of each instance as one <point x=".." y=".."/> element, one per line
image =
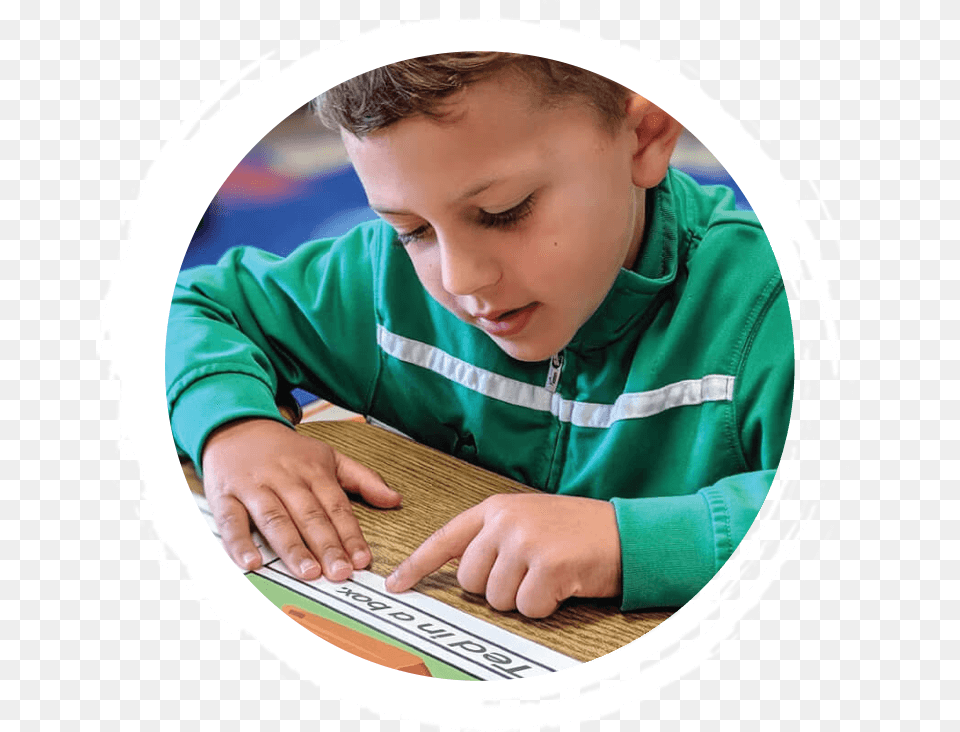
<point x="244" y="332"/>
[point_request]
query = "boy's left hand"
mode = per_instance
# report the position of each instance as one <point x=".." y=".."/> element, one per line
<point x="526" y="552"/>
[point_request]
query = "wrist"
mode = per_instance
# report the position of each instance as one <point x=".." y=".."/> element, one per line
<point x="236" y="428"/>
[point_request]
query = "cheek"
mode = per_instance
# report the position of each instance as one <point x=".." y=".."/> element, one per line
<point x="423" y="265"/>
<point x="426" y="263"/>
<point x="583" y="238"/>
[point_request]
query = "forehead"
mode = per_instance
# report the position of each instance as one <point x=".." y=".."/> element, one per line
<point x="494" y="129"/>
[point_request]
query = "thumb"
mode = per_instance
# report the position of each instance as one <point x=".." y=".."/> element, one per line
<point x="361" y="480"/>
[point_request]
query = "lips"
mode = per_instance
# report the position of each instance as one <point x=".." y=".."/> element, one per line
<point x="498" y="314"/>
<point x="505" y="323"/>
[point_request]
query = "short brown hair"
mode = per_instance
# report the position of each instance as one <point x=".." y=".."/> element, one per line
<point x="420" y="86"/>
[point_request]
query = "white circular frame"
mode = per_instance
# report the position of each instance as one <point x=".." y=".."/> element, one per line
<point x="185" y="178"/>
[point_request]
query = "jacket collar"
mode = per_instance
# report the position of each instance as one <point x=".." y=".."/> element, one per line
<point x="636" y="294"/>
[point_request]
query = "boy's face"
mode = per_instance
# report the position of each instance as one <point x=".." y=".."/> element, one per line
<point x="517" y="217"/>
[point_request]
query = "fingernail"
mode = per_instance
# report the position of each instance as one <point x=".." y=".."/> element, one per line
<point x="249" y="559"/>
<point x="307" y="566"/>
<point x="391" y="582"/>
<point x="360" y="558"/>
<point x="340" y="568"/>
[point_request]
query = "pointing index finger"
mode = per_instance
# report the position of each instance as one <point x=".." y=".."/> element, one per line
<point x="446" y="543"/>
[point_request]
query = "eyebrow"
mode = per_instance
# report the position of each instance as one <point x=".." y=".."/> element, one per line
<point x="475" y="191"/>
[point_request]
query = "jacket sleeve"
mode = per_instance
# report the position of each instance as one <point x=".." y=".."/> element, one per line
<point x="672" y="546"/>
<point x="254" y="325"/>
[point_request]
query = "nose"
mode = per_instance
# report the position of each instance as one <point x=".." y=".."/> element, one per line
<point x="466" y="266"/>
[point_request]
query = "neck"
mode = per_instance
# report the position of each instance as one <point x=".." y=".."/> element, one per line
<point x="639" y="219"/>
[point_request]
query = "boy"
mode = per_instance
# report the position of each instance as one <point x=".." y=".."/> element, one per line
<point x="543" y="297"/>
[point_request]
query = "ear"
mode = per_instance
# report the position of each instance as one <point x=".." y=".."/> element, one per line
<point x="656" y="136"/>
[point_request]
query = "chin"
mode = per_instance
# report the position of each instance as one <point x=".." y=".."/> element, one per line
<point x="528" y="352"/>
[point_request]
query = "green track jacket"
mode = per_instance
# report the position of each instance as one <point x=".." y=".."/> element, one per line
<point x="672" y="401"/>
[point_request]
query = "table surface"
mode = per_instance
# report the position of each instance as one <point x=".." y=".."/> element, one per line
<point x="435" y="488"/>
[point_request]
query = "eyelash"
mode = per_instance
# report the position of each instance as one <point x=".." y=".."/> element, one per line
<point x="506" y="219"/>
<point x="503" y="220"/>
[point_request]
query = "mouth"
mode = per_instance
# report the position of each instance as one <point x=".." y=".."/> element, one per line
<point x="505" y="323"/>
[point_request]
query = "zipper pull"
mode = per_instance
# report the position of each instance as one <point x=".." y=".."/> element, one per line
<point x="553" y="374"/>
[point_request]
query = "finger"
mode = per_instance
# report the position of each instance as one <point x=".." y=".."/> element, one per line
<point x="503" y="584"/>
<point x="340" y="515"/>
<point x="233" y="525"/>
<point x="536" y="598"/>
<point x="315" y="526"/>
<point x="475" y="564"/>
<point x="361" y="480"/>
<point x="273" y="519"/>
<point x="445" y="544"/>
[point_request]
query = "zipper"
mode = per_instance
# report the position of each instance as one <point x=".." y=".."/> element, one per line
<point x="553" y="373"/>
<point x="555" y="465"/>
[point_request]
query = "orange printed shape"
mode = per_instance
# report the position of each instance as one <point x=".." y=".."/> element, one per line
<point x="367" y="648"/>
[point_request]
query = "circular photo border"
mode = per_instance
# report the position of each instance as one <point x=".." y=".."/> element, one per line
<point x="178" y="187"/>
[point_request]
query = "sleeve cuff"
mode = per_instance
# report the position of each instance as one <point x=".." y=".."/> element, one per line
<point x="213" y="401"/>
<point x="667" y="549"/>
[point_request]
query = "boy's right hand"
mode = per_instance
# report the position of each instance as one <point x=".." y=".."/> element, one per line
<point x="292" y="488"/>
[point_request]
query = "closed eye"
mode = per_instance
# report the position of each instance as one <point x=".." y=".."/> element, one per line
<point x="508" y="218"/>
<point x="500" y="220"/>
<point x="409" y="237"/>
